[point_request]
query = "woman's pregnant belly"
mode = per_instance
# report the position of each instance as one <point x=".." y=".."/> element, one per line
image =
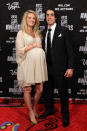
<point x="36" y="53"/>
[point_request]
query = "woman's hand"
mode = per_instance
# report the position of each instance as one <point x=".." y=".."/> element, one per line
<point x="38" y="45"/>
<point x="29" y="47"/>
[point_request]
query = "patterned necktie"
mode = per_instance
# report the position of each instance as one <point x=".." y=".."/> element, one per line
<point x="49" y="61"/>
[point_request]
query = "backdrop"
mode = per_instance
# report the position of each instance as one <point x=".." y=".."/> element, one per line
<point x="70" y="14"/>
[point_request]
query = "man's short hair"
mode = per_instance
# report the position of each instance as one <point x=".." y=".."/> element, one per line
<point x="52" y="10"/>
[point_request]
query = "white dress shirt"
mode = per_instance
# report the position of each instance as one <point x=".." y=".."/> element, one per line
<point x="52" y="33"/>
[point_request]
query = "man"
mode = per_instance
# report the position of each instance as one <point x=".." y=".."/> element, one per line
<point x="59" y="63"/>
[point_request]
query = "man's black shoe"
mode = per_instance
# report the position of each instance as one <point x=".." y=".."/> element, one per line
<point x="44" y="115"/>
<point x="65" y="122"/>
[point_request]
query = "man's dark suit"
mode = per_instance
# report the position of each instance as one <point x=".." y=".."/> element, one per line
<point x="62" y="59"/>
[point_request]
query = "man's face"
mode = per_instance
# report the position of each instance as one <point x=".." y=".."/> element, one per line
<point x="50" y="17"/>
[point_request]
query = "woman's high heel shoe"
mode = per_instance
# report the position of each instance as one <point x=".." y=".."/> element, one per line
<point x="32" y="119"/>
<point x="34" y="122"/>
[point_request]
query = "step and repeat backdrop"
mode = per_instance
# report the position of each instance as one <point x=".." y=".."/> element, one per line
<point x="70" y="14"/>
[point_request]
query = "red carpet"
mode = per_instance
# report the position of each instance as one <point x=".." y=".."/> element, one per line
<point x="16" y="119"/>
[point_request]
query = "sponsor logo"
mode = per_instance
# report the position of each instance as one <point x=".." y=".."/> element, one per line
<point x="41" y="28"/>
<point x="82" y="92"/>
<point x="16" y="89"/>
<point x="83" y="16"/>
<point x="84" y="29"/>
<point x="39" y="12"/>
<point x="64" y="22"/>
<point x="13" y="72"/>
<point x="83" y="80"/>
<point x="11" y="40"/>
<point x="64" y="7"/>
<point x="84" y="61"/>
<point x="13" y="6"/>
<point x="14" y="26"/>
<point x="83" y="48"/>
<point x="12" y="58"/>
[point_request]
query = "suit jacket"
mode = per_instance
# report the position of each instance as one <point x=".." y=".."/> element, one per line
<point x="61" y="51"/>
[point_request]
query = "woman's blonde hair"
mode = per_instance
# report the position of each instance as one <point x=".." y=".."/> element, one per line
<point x="24" y="26"/>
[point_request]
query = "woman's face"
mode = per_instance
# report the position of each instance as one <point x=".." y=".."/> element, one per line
<point x="30" y="20"/>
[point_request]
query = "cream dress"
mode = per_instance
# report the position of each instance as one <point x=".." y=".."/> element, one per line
<point x="32" y="66"/>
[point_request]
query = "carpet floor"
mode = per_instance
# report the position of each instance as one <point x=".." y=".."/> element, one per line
<point x="16" y="119"/>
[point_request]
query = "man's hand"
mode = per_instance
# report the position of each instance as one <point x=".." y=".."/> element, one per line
<point x="68" y="73"/>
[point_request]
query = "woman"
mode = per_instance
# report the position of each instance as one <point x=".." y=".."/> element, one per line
<point x="31" y="61"/>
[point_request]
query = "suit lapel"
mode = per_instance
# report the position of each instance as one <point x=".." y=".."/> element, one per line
<point x="56" y="33"/>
